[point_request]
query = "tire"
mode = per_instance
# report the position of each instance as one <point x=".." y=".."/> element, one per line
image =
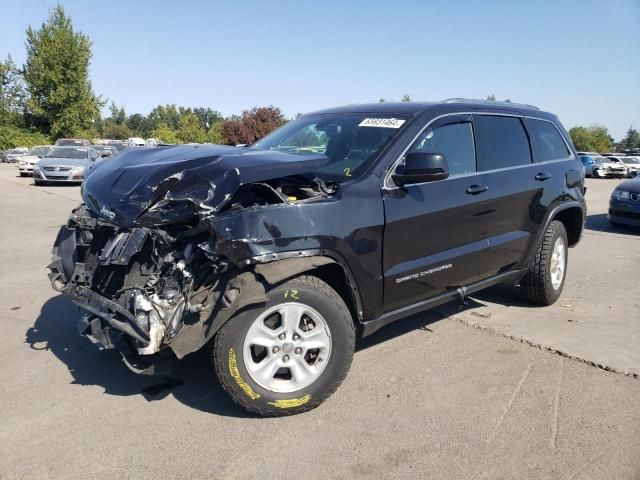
<point x="39" y="182"/>
<point x="540" y="284"/>
<point x="597" y="174"/>
<point x="23" y="174"/>
<point x="234" y="355"/>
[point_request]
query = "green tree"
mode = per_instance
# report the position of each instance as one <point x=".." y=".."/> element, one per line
<point x="215" y="133"/>
<point x="595" y="138"/>
<point x="165" y="133"/>
<point x="139" y="124"/>
<point x="190" y="129"/>
<point x="118" y="115"/>
<point x="11" y="136"/>
<point x="61" y="99"/>
<point x="12" y="93"/>
<point x="600" y="138"/>
<point x="167" y="114"/>
<point x="581" y="138"/>
<point x="406" y="98"/>
<point x="491" y="97"/>
<point x="631" y="139"/>
<point x="116" y="131"/>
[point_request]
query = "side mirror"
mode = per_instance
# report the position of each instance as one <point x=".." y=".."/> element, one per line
<point x="421" y="167"/>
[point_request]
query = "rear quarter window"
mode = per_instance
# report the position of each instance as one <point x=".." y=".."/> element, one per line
<point x="501" y="142"/>
<point x="546" y="142"/>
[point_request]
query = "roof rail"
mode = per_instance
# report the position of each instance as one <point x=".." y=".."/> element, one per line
<point x="489" y="102"/>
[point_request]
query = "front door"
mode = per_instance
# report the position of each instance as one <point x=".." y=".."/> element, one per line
<point x="434" y="231"/>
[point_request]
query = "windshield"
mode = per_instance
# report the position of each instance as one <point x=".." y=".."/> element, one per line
<point x="67" y="152"/>
<point x="39" y="151"/>
<point x="351" y="141"/>
<point x="630" y="160"/>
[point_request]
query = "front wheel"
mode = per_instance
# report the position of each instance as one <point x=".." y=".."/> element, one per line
<point x="290" y="354"/>
<point x="544" y="281"/>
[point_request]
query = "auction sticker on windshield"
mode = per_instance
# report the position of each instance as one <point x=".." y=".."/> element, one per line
<point x="381" y="122"/>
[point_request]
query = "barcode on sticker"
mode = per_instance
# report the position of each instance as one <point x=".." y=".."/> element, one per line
<point x="381" y="122"/>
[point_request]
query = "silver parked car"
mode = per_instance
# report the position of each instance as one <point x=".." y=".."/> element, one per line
<point x="15" y="153"/>
<point x="64" y="164"/>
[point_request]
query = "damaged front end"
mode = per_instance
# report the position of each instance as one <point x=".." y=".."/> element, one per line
<point x="161" y="279"/>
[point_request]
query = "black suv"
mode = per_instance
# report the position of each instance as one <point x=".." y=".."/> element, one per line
<point x="278" y="254"/>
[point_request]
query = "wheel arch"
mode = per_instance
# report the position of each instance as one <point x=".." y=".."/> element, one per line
<point x="573" y="220"/>
<point x="572" y="215"/>
<point x="331" y="269"/>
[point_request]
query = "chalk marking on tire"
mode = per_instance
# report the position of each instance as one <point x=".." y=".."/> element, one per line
<point x="291" y="402"/>
<point x="235" y="373"/>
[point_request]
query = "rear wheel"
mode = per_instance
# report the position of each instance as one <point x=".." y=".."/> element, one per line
<point x="598" y="174"/>
<point x="289" y="355"/>
<point x="544" y="281"/>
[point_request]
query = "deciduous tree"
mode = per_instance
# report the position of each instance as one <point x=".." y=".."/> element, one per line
<point x="252" y="125"/>
<point x="165" y="133"/>
<point x="61" y="99"/>
<point x="591" y="139"/>
<point x="12" y="93"/>
<point x="190" y="129"/>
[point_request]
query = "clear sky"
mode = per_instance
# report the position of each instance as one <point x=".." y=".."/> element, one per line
<point x="579" y="59"/>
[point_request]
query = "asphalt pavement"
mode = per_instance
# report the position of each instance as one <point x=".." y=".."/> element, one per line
<point x="449" y="394"/>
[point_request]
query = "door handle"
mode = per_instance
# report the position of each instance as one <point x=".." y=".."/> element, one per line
<point x="542" y="176"/>
<point x="476" y="189"/>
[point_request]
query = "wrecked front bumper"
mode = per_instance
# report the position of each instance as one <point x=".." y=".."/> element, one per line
<point x="143" y="291"/>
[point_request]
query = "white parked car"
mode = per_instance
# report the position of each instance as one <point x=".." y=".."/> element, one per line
<point x="13" y="154"/>
<point x="26" y="162"/>
<point x="136" y="142"/>
<point x="618" y="163"/>
<point x="633" y="166"/>
<point x="601" y="167"/>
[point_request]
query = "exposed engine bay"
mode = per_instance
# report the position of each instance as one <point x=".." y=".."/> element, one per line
<point x="150" y="284"/>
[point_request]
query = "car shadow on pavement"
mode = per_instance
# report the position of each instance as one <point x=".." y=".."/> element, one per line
<point x="193" y="382"/>
<point x="600" y="223"/>
<point x="419" y="321"/>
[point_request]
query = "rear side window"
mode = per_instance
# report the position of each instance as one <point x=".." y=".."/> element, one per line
<point x="502" y="142"/>
<point x="455" y="141"/>
<point x="546" y="142"/>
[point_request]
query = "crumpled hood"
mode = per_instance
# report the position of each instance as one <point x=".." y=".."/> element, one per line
<point x="122" y="188"/>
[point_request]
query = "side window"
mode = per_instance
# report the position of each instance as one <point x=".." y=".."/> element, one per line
<point x="502" y="142"/>
<point x="546" y="142"/>
<point x="454" y="141"/>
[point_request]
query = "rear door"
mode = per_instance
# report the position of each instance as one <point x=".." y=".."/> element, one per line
<point x="519" y="191"/>
<point x="434" y="231"/>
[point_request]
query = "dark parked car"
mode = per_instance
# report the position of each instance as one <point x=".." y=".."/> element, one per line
<point x="624" y="206"/>
<point x="279" y="254"/>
